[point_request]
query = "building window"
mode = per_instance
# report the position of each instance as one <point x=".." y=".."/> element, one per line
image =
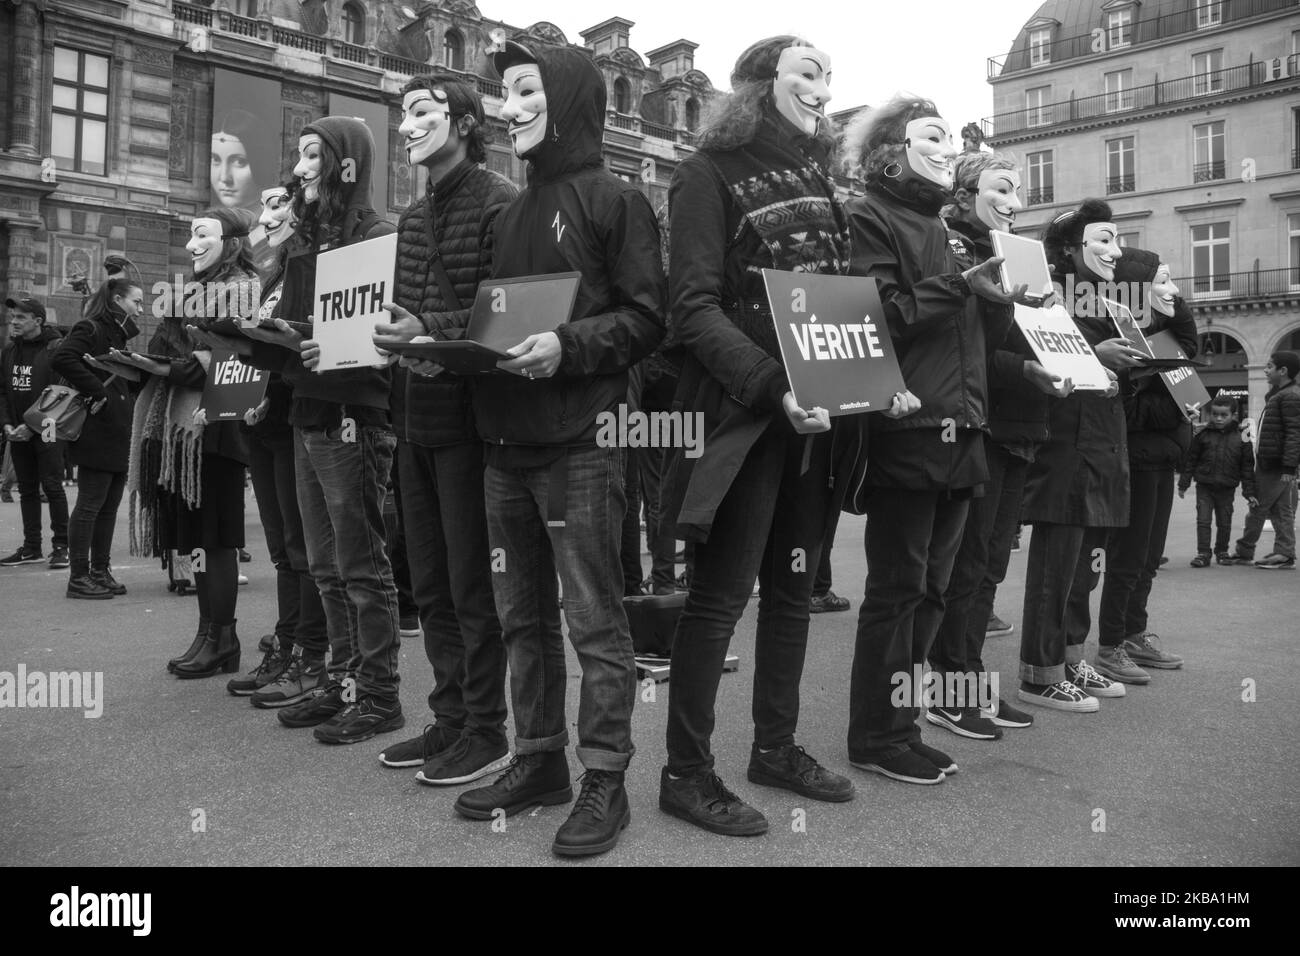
<point x="354" y="24"/>
<point x="1041" y="186"/>
<point x="1295" y="138"/>
<point x="244" y="8"/>
<point x="1209" y="13"/>
<point x="1119" y="90"/>
<point x="1207" y="72"/>
<point x="1119" y="165"/>
<point x="1036" y="113"/>
<point x="1119" y="28"/>
<point x="1208" y="163"/>
<point x="79" y="127"/>
<point x="453" y="50"/>
<point x="622" y="96"/>
<point x="1293" y="243"/>
<point x="1211" y="248"/>
<point x="1128" y="240"/>
<point x="1040" y="46"/>
<point x="692" y="114"/>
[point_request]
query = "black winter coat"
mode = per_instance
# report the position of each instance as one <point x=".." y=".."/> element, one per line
<point x="1158" y="431"/>
<point x="576" y="216"/>
<point x="1278" y="443"/>
<point x="1220" y="457"/>
<point x="105" y="441"/>
<point x="463" y="205"/>
<point x="42" y="374"/>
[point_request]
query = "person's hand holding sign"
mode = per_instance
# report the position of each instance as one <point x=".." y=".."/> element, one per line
<point x="281" y="333"/>
<point x="1118" y="353"/>
<point x="1045" y="381"/>
<point x="904" y="403"/>
<point x="537" y="356"/>
<point x="805" y="422"/>
<point x="403" y="329"/>
<point x="984" y="280"/>
<point x="254" y="415"/>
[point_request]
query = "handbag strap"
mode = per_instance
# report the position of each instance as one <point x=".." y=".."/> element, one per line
<point x="434" y="262"/>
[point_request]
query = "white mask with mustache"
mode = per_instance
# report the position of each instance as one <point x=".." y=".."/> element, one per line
<point x="996" y="199"/>
<point x="1162" y="291"/>
<point x="309" y="163"/>
<point x="426" y="125"/>
<point x="205" y="243"/>
<point x="801" y="88"/>
<point x="277" y="215"/>
<point x="930" y="152"/>
<point x="1099" y="249"/>
<point x="525" y="107"/>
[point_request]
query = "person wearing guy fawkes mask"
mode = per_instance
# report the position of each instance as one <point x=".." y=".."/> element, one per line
<point x="444" y="250"/>
<point x="543" y="463"/>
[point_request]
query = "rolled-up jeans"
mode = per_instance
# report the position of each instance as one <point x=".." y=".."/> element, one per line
<point x="341" y="490"/>
<point x="526" y="554"/>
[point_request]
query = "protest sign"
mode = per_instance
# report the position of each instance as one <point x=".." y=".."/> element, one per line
<point x="1061" y="347"/>
<point x="1183" y="383"/>
<point x="352" y="284"/>
<point x="231" y="387"/>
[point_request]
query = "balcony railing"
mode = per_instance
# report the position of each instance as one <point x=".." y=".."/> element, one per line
<point x="1259" y="284"/>
<point x="244" y="26"/>
<point x="298" y="40"/>
<point x="1101" y="105"/>
<point x="1120" y="184"/>
<point x="188" y="13"/>
<point x="1209" y="172"/>
<point x="1138" y="32"/>
<point x="1041" y="197"/>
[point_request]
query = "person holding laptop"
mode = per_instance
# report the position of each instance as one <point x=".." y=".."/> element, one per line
<point x="554" y="498"/>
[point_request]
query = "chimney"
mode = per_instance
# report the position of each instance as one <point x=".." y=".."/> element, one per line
<point x="674" y="59"/>
<point x="608" y="36"/>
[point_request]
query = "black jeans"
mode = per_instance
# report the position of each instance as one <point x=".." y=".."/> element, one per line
<point x="38" y="465"/>
<point x="822" y="581"/>
<point x="912" y="539"/>
<point x="660" y="535"/>
<point x="981" y="564"/>
<point x="90" y="529"/>
<point x="769" y="526"/>
<point x="395" y="539"/>
<point x="451" y="578"/>
<point x="301" y="616"/>
<point x="1064" y="566"/>
<point x="1214" y="503"/>
<point x="630" y="545"/>
<point x="1133" y="557"/>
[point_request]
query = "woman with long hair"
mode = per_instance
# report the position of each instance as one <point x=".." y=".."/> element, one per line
<point x="758" y="194"/>
<point x="945" y="314"/>
<point x="101" y="451"/>
<point x="187" y="475"/>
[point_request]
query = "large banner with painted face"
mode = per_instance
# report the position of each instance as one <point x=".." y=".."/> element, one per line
<point x="245" y="156"/>
<point x="834" y="341"/>
<point x="375" y="116"/>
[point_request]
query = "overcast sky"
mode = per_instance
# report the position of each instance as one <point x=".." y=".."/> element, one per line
<point x="935" y="48"/>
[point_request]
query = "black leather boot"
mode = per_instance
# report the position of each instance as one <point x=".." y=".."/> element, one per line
<point x="193" y="648"/>
<point x="104" y="578"/>
<point x="84" y="587"/>
<point x="530" y="780"/>
<point x="219" y="654"/>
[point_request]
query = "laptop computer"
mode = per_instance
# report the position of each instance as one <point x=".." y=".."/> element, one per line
<point x="1128" y="329"/>
<point x="505" y="312"/>
<point x="1024" y="263"/>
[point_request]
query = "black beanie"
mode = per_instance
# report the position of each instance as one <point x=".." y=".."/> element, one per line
<point x="1067" y="229"/>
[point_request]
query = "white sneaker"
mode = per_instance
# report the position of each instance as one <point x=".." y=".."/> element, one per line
<point x="1089" y="681"/>
<point x="1060" y="696"/>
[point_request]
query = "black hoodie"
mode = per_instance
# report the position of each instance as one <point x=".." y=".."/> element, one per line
<point x="575" y="216"/>
<point x="321" y="400"/>
<point x="24" y="373"/>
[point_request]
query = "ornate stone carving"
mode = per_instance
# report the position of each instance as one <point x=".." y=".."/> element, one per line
<point x="546" y="32"/>
<point x="180" y="158"/>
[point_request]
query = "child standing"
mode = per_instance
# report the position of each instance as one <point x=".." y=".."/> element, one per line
<point x="1219" y="460"/>
<point x="1277" y="457"/>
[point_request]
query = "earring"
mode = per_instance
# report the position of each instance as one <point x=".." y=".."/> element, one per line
<point x="897" y="171"/>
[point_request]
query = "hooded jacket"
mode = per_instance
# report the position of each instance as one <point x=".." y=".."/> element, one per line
<point x="459" y="212"/>
<point x="1220" y="457"/>
<point x="575" y="216"/>
<point x="1278" y="447"/>
<point x="33" y="354"/>
<point x="105" y="440"/>
<point x="322" y="400"/>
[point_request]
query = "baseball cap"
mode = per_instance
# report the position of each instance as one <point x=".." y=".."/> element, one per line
<point x="28" y="304"/>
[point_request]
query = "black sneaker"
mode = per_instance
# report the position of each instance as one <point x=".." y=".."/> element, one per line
<point x="964" y="722"/>
<point x="703" y="799"/>
<point x="300" y="679"/>
<point x="790" y="768"/>
<point x="85" y="588"/>
<point x="368" y="717"/>
<point x="598" y="818"/>
<point x="244" y="556"/>
<point x="59" y="559"/>
<point x="537" y="779"/>
<point x="23" y="555"/>
<point x="320" y="704"/>
<point x="1004" y="714"/>
<point x="104" y="577"/>
<point x="909" y="767"/>
<point x="830" y="601"/>
<point x="469" y="758"/>
<point x="1201" y="561"/>
<point x="408" y="626"/>
<point x="996" y="627"/>
<point x="947" y="766"/>
<point x="417" y="751"/>
<point x="274" y="663"/>
<point x="1224" y="558"/>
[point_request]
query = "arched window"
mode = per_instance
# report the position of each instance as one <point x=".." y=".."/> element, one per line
<point x="314" y="18"/>
<point x="354" y="24"/>
<point x="622" y="96"/>
<point x="692" y="114"/>
<point x="453" y="50"/>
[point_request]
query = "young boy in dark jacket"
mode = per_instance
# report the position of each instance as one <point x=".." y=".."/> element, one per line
<point x="1277" y="456"/>
<point x="1218" y="460"/>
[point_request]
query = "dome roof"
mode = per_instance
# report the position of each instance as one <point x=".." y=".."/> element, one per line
<point x="1078" y="18"/>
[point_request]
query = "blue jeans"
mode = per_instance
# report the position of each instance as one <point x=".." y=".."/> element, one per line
<point x="341" y="491"/>
<point x="586" y="554"/>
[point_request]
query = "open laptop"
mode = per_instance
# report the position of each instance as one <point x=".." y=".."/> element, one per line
<point x="505" y="312"/>
<point x="1024" y="263"/>
<point x="1128" y="329"/>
